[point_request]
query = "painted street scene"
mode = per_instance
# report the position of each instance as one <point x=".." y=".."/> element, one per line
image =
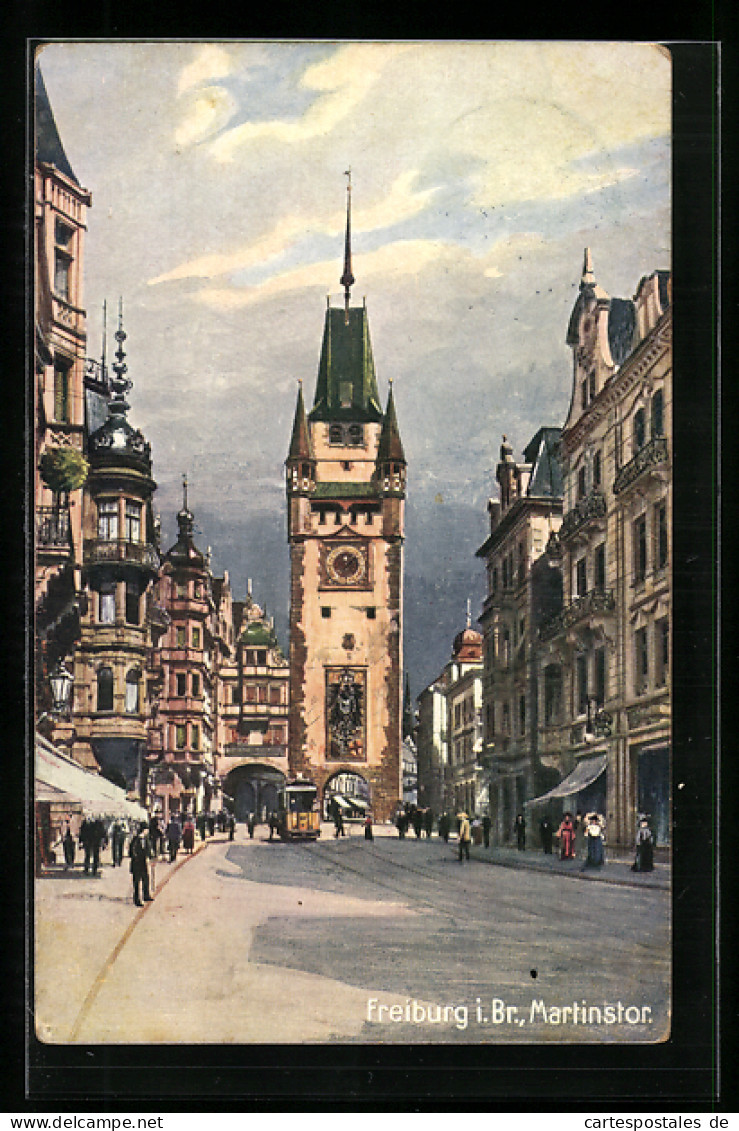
<point x="352" y="418"/>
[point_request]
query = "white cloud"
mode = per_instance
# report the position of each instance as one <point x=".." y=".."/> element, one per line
<point x="396" y="260"/>
<point x="210" y="109"/>
<point x="343" y="80"/>
<point x="211" y="62"/>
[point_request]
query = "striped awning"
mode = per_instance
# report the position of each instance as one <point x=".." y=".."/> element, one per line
<point x="581" y="777"/>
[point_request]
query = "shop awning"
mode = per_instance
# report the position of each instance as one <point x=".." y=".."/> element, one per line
<point x="60" y="778"/>
<point x="581" y="777"/>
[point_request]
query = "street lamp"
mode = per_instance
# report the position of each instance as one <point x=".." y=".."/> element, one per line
<point x="61" y="688"/>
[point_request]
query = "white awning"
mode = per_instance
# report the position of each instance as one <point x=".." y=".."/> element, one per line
<point x="581" y="777"/>
<point x="357" y="802"/>
<point x="59" y="777"/>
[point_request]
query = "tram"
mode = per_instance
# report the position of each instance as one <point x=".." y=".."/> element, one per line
<point x="298" y="813"/>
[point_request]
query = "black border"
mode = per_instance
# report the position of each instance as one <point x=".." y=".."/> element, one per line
<point x="678" y="1075"/>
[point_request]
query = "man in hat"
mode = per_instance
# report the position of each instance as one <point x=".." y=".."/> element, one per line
<point x="464" y="836"/>
<point x="140" y="853"/>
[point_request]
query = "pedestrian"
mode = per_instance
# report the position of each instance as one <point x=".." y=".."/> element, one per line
<point x="339" y="829"/>
<point x="644" y="861"/>
<point x="594" y="837"/>
<point x="68" y="847"/>
<point x="140" y="852"/>
<point x="211" y="825"/>
<point x="118" y="840"/>
<point x="579" y="842"/>
<point x="92" y="839"/>
<point x="201" y="825"/>
<point x="231" y="826"/>
<point x="444" y="827"/>
<point x="401" y="824"/>
<point x="486" y="826"/>
<point x="368" y="834"/>
<point x="174" y="837"/>
<point x="428" y="821"/>
<point x="545" y="828"/>
<point x="520" y="826"/>
<point x="155" y="833"/>
<point x="566" y="834"/>
<point x="464" y="836"/>
<point x="188" y="835"/>
<point x="250" y="826"/>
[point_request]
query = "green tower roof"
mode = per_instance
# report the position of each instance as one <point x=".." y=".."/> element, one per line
<point x="347" y="387"/>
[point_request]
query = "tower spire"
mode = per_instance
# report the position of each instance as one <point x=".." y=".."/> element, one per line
<point x="347" y="279"/>
<point x="184" y="492"/>
<point x="103" y="352"/>
<point x="588" y="278"/>
<point x="120" y="384"/>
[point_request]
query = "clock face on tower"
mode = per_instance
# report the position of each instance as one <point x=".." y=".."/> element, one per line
<point x="346" y="565"/>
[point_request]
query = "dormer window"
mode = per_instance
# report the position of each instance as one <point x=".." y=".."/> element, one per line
<point x="345" y="394"/>
<point x="335" y="434"/>
<point x="355" y="434"/>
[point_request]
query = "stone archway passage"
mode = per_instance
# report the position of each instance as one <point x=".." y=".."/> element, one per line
<point x="353" y="788"/>
<point x="255" y="790"/>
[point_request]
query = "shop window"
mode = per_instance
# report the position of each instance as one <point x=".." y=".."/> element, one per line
<point x="640" y="430"/>
<point x="552" y="693"/>
<point x="106" y="605"/>
<point x="133" y="521"/>
<point x="133" y="603"/>
<point x="105" y="689"/>
<point x="600" y="689"/>
<point x="599" y="563"/>
<point x="581" y="577"/>
<point x="658" y="414"/>
<point x="581" y="684"/>
<point x="641" y="661"/>
<point x="640" y="548"/>
<point x="133" y="692"/>
<point x="661" y="651"/>
<point x="660" y="535"/>
<point x="108" y="520"/>
<point x="62" y="410"/>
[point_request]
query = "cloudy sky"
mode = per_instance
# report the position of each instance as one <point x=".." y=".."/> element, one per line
<point x="480" y="172"/>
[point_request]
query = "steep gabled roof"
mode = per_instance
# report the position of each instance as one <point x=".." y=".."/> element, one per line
<point x="49" y="148"/>
<point x="546" y="473"/>
<point x="346" y="388"/>
<point x="390" y="446"/>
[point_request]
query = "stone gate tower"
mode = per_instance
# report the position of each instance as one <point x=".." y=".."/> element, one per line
<point x="346" y="497"/>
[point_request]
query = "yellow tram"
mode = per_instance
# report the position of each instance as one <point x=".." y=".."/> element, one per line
<point x="298" y="813"/>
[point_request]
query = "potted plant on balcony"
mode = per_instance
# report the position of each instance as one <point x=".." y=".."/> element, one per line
<point x="63" y="470"/>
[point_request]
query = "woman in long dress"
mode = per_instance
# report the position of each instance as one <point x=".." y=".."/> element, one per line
<point x="644" y="848"/>
<point x="594" y="828"/>
<point x="566" y="834"/>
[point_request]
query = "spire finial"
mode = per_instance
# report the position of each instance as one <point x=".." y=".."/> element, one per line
<point x="347" y="279"/>
<point x="103" y="351"/>
<point x="587" y="268"/>
<point x="119" y="384"/>
<point x="469" y="613"/>
<point x="184" y="492"/>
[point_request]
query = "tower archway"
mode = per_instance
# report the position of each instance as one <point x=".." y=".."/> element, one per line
<point x="352" y="790"/>
<point x="254" y="789"/>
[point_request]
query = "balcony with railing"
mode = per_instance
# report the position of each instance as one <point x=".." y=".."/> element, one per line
<point x="588" y="511"/>
<point x="101" y="550"/>
<point x="651" y="458"/>
<point x="597" y="602"/>
<point x="53" y="529"/>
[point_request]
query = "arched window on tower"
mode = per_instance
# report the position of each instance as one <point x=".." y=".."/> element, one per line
<point x="105" y="689"/>
<point x="133" y="692"/>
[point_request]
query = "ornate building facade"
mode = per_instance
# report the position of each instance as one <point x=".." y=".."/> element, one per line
<point x="522" y="521"/>
<point x="346" y="496"/>
<point x="605" y="657"/>
<point x="60" y="211"/>
<point x="121" y="561"/>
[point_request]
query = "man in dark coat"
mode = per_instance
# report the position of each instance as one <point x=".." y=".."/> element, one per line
<point x="139" y="850"/>
<point x="545" y="827"/>
<point x="92" y="838"/>
<point x="428" y="821"/>
<point x="250" y="826"/>
<point x="231" y="826"/>
<point x="486" y="826"/>
<point x="174" y="838"/>
<point x="444" y="827"/>
<point x="521" y="832"/>
<point x="417" y="820"/>
<point x="156" y="836"/>
<point x="117" y="840"/>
